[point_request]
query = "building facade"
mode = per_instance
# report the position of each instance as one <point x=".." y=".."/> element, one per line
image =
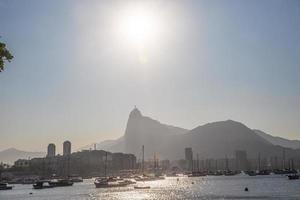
<point x="241" y="160"/>
<point x="84" y="163"/>
<point x="51" y="150"/>
<point x="67" y="148"/>
<point x="22" y="163"/>
<point x="189" y="158"/>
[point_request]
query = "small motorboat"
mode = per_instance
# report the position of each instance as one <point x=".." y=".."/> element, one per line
<point x="42" y="185"/>
<point x="4" y="186"/>
<point x="141" y="187"/>
<point x="264" y="172"/>
<point x="110" y="182"/>
<point x="293" y="176"/>
<point x="61" y="182"/>
<point x="145" y="178"/>
<point x="76" y="179"/>
<point x="230" y="173"/>
<point x="196" y="174"/>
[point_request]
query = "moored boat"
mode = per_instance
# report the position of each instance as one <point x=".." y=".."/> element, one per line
<point x="263" y="172"/>
<point x="251" y="173"/>
<point x="76" y="179"/>
<point x="4" y="186"/>
<point x="148" y="178"/>
<point x="110" y="182"/>
<point x="141" y="187"/>
<point x="293" y="176"/>
<point x="61" y="182"/>
<point x="197" y="174"/>
<point x="230" y="173"/>
<point x="42" y="185"/>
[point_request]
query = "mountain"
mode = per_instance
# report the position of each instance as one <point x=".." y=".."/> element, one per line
<point x="12" y="154"/>
<point x="293" y="144"/>
<point x="212" y="140"/>
<point x="142" y="130"/>
<point x="220" y="139"/>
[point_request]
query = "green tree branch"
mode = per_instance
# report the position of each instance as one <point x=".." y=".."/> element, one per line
<point x="5" y="55"/>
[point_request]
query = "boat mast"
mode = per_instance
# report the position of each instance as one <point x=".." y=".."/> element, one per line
<point x="143" y="149"/>
<point x="283" y="159"/>
<point x="105" y="164"/>
<point x="198" y="162"/>
<point x="259" y="162"/>
<point x="226" y="163"/>
<point x="154" y="161"/>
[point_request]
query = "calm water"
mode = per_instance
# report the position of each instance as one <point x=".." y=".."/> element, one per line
<point x="260" y="187"/>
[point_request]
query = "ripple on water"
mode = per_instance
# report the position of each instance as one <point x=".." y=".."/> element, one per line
<point x="206" y="188"/>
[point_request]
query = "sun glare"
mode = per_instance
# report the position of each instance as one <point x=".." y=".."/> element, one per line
<point x="139" y="26"/>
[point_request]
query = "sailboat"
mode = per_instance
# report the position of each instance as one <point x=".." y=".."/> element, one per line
<point x="196" y="173"/>
<point x="107" y="182"/>
<point x="157" y="172"/>
<point x="143" y="177"/>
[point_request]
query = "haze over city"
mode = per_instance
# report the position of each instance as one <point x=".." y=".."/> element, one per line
<point x="79" y="69"/>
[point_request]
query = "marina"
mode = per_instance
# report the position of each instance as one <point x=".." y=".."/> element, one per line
<point x="183" y="187"/>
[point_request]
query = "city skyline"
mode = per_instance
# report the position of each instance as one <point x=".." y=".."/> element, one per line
<point x="75" y="76"/>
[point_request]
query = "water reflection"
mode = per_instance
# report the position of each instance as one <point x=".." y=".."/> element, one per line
<point x="264" y="187"/>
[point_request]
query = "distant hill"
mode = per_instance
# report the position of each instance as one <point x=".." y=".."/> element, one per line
<point x="12" y="154"/>
<point x="293" y="144"/>
<point x="213" y="140"/>
<point x="220" y="139"/>
<point x="104" y="145"/>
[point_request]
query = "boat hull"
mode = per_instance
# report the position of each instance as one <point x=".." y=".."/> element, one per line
<point x="6" y="188"/>
<point x="141" y="187"/>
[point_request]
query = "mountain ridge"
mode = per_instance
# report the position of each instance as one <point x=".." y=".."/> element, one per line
<point x="276" y="140"/>
<point x="12" y="154"/>
<point x="211" y="140"/>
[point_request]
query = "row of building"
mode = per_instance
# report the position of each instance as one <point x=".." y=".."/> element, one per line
<point x="239" y="162"/>
<point x="93" y="162"/>
<point x="84" y="163"/>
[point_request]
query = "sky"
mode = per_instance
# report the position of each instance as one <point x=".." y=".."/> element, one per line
<point x="79" y="67"/>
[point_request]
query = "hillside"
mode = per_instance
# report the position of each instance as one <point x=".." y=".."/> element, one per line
<point x="12" y="154"/>
<point x="212" y="140"/>
<point x="293" y="144"/>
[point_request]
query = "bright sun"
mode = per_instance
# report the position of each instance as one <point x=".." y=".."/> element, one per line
<point x="139" y="26"/>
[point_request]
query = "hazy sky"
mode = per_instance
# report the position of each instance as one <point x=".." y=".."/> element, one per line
<point x="77" y="73"/>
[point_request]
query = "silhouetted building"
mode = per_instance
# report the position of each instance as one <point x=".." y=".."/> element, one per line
<point x="84" y="163"/>
<point x="67" y="148"/>
<point x="51" y="150"/>
<point x="241" y="160"/>
<point x="165" y="164"/>
<point x="22" y="163"/>
<point x="189" y="158"/>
